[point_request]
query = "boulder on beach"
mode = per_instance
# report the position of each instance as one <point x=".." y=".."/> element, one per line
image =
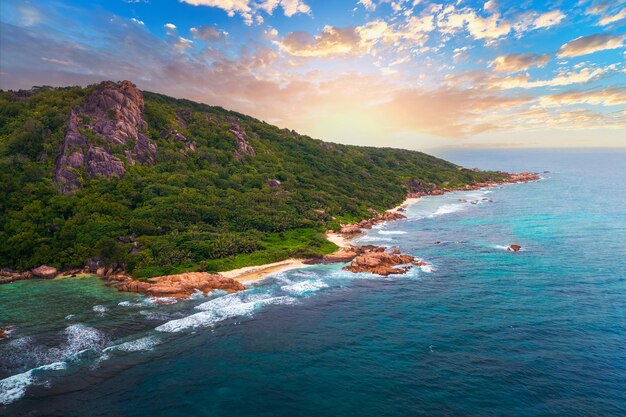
<point x="180" y="285"/>
<point x="350" y="229"/>
<point x="45" y="272"/>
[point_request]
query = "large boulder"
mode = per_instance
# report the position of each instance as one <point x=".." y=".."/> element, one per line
<point x="45" y="271"/>
<point x="180" y="285"/>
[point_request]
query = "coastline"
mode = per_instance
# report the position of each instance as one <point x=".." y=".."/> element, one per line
<point x="235" y="280"/>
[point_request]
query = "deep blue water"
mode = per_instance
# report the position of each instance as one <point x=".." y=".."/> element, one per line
<point x="487" y="332"/>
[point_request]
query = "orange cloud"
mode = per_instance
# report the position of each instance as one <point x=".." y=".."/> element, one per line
<point x="519" y="62"/>
<point x="612" y="96"/>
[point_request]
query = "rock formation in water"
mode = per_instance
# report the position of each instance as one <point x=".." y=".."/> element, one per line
<point x="379" y="262"/>
<point x="110" y="121"/>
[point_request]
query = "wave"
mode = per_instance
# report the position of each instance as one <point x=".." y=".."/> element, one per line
<point x="144" y="343"/>
<point x="304" y="287"/>
<point x="391" y="232"/>
<point x="222" y="308"/>
<point x="447" y="209"/>
<point x="81" y="338"/>
<point x="100" y="309"/>
<point x="14" y="387"/>
<point x="141" y="302"/>
<point x="373" y="238"/>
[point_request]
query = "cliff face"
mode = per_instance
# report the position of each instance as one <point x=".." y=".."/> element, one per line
<point x="109" y="122"/>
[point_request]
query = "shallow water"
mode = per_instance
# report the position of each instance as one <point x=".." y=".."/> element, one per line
<point x="485" y="332"/>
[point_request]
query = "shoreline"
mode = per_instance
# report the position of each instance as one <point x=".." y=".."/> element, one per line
<point x="256" y="273"/>
<point x="252" y="274"/>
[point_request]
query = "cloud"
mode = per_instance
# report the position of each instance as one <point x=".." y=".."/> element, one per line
<point x="248" y="9"/>
<point x="368" y="4"/>
<point x="584" y="75"/>
<point x="331" y="41"/>
<point x="607" y="20"/>
<point x="530" y="21"/>
<point x="548" y="19"/>
<point x="139" y="22"/>
<point x="357" y="41"/>
<point x="612" y="96"/>
<point x="519" y="62"/>
<point x="266" y="77"/>
<point x="589" y="44"/>
<point x="450" y="112"/>
<point x="207" y="33"/>
<point x="598" y="7"/>
<point x="451" y="21"/>
<point x="170" y="28"/>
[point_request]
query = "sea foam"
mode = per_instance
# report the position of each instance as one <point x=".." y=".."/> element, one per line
<point x="222" y="308"/>
<point x="447" y="209"/>
<point x="14" y="387"/>
<point x="304" y="287"/>
<point x="144" y="343"/>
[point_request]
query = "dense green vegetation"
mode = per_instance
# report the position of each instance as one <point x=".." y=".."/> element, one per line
<point x="194" y="210"/>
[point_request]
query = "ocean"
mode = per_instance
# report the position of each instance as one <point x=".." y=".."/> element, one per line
<point x="483" y="332"/>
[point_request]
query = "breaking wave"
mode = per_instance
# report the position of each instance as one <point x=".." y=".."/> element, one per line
<point x="222" y="308"/>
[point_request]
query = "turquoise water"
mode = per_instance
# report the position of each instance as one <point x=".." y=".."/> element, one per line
<point x="486" y="332"/>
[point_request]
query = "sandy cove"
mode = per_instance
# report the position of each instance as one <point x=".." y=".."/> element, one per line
<point x="250" y="274"/>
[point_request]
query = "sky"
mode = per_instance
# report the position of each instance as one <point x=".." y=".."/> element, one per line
<point x="414" y="74"/>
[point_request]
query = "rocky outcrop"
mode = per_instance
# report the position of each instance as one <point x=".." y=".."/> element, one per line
<point x="243" y="142"/>
<point x="273" y="183"/>
<point x="377" y="261"/>
<point x="415" y="186"/>
<point x="5" y="332"/>
<point x="45" y="272"/>
<point x="177" y="286"/>
<point x="174" y="135"/>
<point x="524" y="176"/>
<point x="7" y="276"/>
<point x="514" y="247"/>
<point x="111" y="116"/>
<point x="376" y="218"/>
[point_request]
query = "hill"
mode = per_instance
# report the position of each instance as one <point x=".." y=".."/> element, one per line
<point x="155" y="185"/>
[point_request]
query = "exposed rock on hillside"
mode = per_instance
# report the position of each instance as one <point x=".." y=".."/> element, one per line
<point x="111" y="117"/>
<point x="243" y="145"/>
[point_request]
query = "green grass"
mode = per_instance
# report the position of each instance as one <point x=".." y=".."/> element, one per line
<point x="299" y="243"/>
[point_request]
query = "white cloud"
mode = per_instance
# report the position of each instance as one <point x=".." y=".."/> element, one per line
<point x="249" y="9"/>
<point x="170" y="28"/>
